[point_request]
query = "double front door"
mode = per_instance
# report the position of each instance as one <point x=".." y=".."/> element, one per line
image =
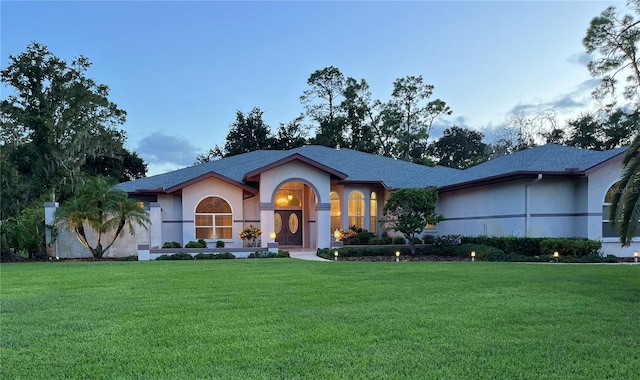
<point x="288" y="227"/>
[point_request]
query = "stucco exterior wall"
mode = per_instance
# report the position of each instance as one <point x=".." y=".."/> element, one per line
<point x="171" y="206"/>
<point x="211" y="187"/>
<point x="600" y="180"/>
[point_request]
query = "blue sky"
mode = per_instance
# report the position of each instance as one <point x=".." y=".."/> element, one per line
<point x="182" y="69"/>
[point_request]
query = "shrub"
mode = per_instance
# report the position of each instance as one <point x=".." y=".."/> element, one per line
<point x="399" y="240"/>
<point x="428" y="239"/>
<point x="268" y="255"/>
<point x="128" y="258"/>
<point x="352" y="241"/>
<point x="576" y="247"/>
<point x="364" y="236"/>
<point x="524" y="246"/>
<point x="219" y="244"/>
<point x="416" y="240"/>
<point x="171" y="244"/>
<point x="176" y="256"/>
<point x="447" y="240"/>
<point x="379" y="241"/>
<point x="214" y="256"/>
<point x="196" y="244"/>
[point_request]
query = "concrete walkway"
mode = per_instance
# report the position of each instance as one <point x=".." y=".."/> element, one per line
<point x="304" y="254"/>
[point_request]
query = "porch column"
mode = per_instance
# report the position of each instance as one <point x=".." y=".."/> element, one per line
<point x="324" y="225"/>
<point x="155" y="229"/>
<point x="266" y="222"/>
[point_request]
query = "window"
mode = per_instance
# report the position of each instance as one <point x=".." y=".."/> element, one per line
<point x="335" y="211"/>
<point x="373" y="222"/>
<point x="609" y="231"/>
<point x="214" y="219"/>
<point x="286" y="198"/>
<point x="356" y="209"/>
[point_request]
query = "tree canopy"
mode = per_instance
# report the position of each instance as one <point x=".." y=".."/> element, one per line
<point x="57" y="126"/>
<point x="410" y="210"/>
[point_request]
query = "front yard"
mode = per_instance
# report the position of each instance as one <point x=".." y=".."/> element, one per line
<point x="288" y="318"/>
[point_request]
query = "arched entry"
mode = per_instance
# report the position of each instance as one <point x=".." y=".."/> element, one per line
<point x="294" y="223"/>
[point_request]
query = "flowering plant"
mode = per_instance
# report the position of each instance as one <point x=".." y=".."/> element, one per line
<point x="347" y="234"/>
<point x="250" y="233"/>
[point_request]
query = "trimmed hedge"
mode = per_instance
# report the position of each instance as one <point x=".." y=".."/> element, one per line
<point x="214" y="256"/>
<point x="571" y="247"/>
<point x="196" y="244"/>
<point x="268" y="255"/>
<point x="171" y="244"/>
<point x="533" y="247"/>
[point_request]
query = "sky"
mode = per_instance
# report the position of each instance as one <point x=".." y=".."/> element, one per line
<point x="181" y="70"/>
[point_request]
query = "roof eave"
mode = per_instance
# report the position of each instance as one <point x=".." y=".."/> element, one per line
<point x="254" y="174"/>
<point x="243" y="186"/>
<point x="485" y="181"/>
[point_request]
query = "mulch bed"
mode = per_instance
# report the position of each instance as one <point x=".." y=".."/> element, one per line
<point x="404" y="258"/>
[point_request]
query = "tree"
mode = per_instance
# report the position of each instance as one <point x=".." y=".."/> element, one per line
<point x="613" y="39"/>
<point x="585" y="132"/>
<point x="100" y="206"/>
<point x="356" y="106"/>
<point x="291" y="135"/>
<point x="322" y="104"/>
<point x="625" y="204"/>
<point x="55" y="123"/>
<point x="248" y="133"/>
<point x="410" y="210"/>
<point x="459" y="148"/>
<point x="416" y="120"/>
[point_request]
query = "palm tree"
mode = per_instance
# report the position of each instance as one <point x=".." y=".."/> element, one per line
<point x="625" y="204"/>
<point x="100" y="206"/>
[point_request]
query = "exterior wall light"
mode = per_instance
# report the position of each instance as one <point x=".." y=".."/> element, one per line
<point x="473" y="255"/>
<point x="336" y="235"/>
<point x="397" y="256"/>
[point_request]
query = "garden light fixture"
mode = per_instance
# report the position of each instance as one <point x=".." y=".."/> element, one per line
<point x="556" y="255"/>
<point x="397" y="256"/>
<point x="335" y="256"/>
<point x="635" y="256"/>
<point x="336" y="234"/>
<point x="473" y="255"/>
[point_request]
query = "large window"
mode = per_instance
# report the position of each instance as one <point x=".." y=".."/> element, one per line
<point x="609" y="231"/>
<point x="373" y="222"/>
<point x="356" y="209"/>
<point x="214" y="219"/>
<point x="335" y="211"/>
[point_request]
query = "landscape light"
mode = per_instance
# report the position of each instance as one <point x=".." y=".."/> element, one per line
<point x="335" y="256"/>
<point x="473" y="255"/>
<point x="635" y="256"/>
<point x="397" y="256"/>
<point x="556" y="255"/>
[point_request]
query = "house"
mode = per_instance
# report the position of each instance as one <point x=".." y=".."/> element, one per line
<point x="304" y="194"/>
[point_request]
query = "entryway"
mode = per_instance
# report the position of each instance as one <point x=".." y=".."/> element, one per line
<point x="288" y="227"/>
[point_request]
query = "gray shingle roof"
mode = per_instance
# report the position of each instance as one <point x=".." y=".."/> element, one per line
<point x="394" y="174"/>
<point x="545" y="158"/>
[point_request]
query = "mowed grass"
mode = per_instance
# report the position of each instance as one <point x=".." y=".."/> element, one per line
<point x="293" y="319"/>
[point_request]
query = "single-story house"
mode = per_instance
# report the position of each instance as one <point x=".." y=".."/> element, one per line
<point x="303" y="195"/>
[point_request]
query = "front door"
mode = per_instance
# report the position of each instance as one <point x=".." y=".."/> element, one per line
<point x="288" y="227"/>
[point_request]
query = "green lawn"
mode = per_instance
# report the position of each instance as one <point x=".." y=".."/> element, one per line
<point x="292" y="319"/>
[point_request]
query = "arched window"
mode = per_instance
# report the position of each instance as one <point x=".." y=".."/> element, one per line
<point x="373" y="221"/>
<point x="214" y="219"/>
<point x="356" y="209"/>
<point x="335" y="211"/>
<point x="609" y="231"/>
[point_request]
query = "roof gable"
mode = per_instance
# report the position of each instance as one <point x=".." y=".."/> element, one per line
<point x="254" y="174"/>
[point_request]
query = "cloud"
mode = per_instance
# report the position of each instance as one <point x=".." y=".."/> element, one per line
<point x="160" y="149"/>
<point x="580" y="59"/>
<point x="578" y="98"/>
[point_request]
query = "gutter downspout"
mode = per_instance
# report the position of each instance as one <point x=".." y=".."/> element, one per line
<point x="527" y="204"/>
